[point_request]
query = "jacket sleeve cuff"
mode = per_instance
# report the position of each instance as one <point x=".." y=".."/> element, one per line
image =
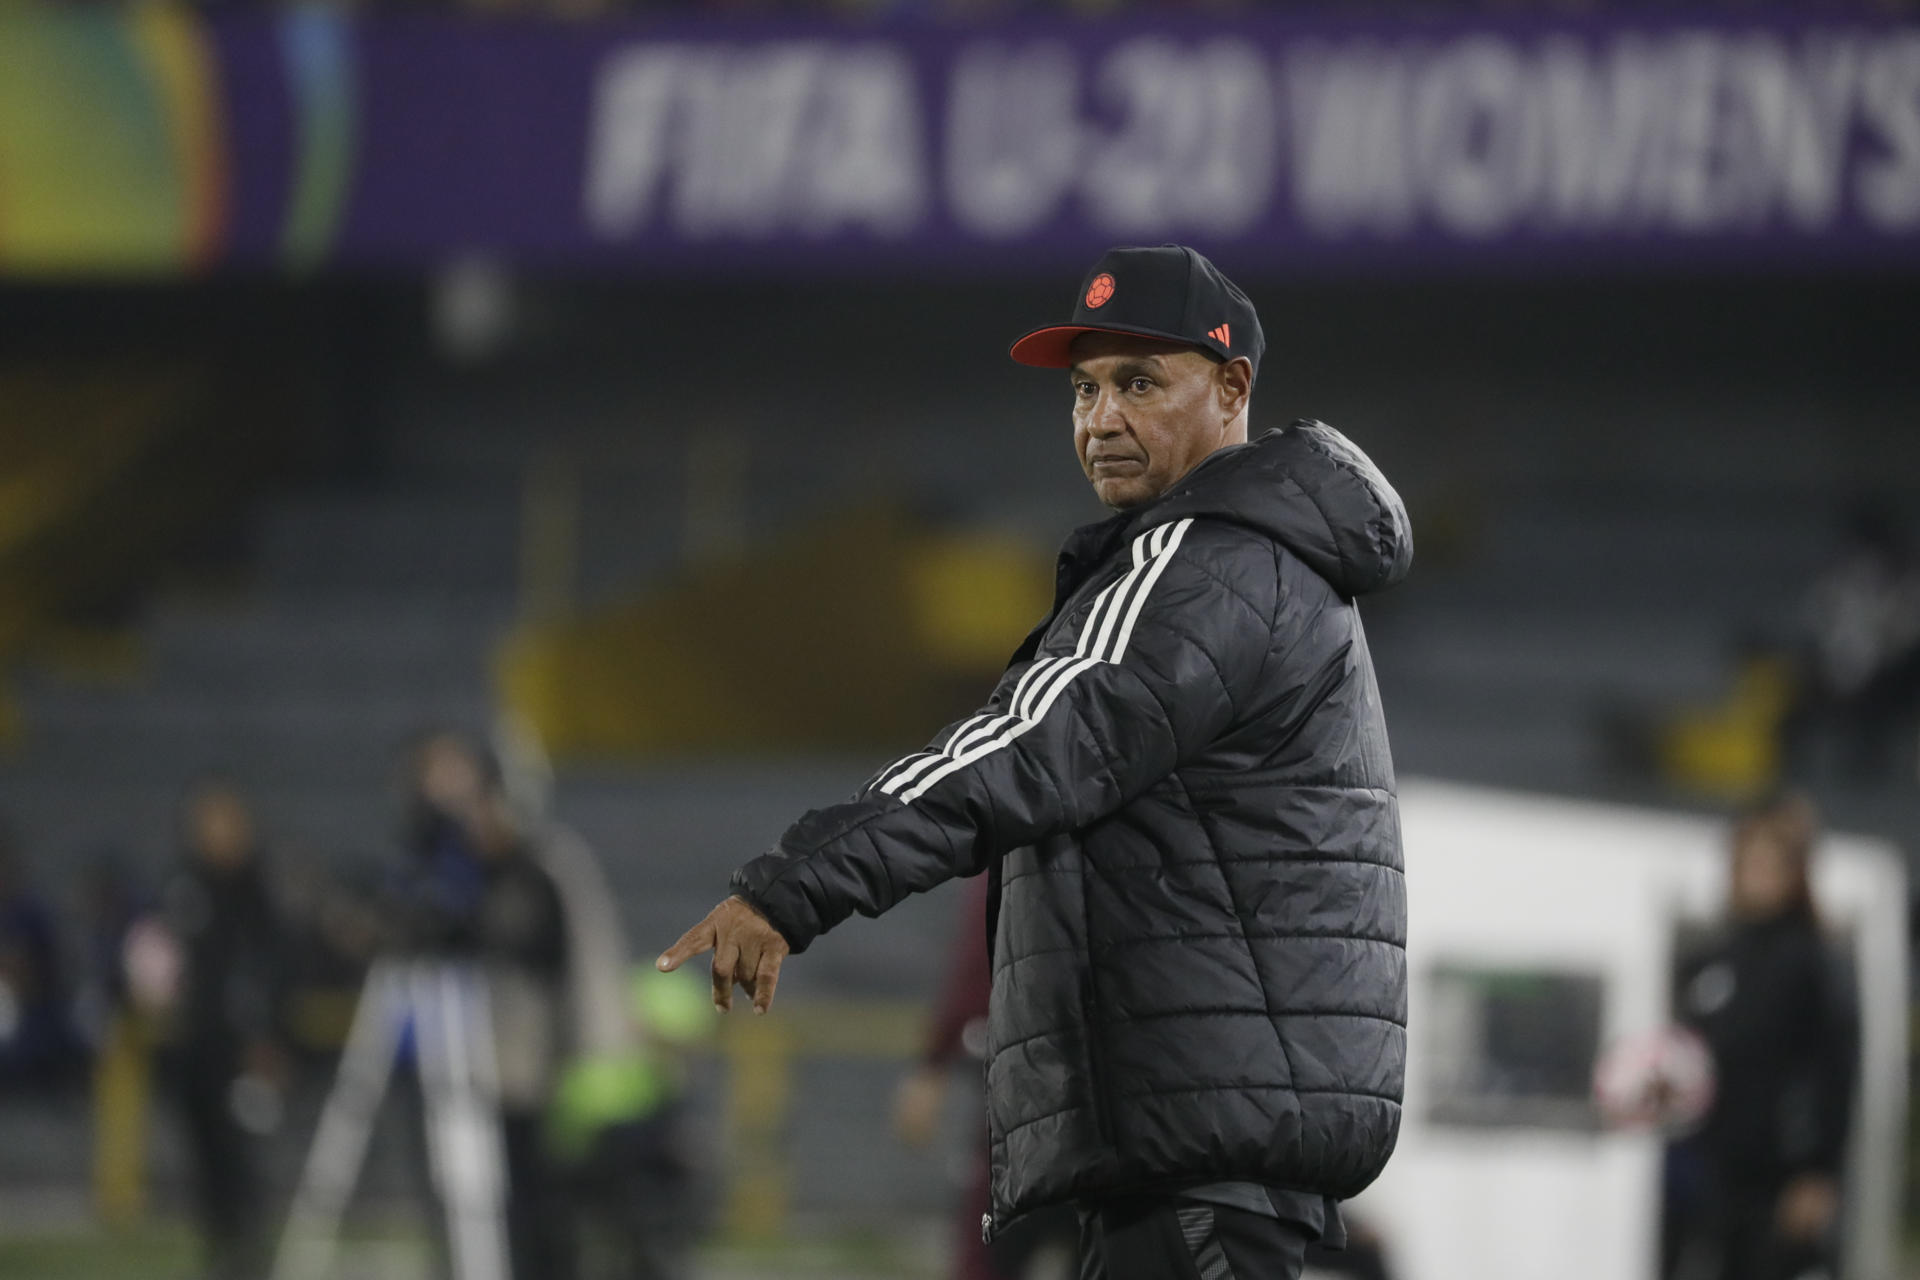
<point x="785" y="908"/>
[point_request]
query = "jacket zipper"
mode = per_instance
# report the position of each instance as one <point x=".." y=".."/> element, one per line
<point x="986" y="1219"/>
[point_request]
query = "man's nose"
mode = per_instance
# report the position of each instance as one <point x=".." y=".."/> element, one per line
<point x="1106" y="418"/>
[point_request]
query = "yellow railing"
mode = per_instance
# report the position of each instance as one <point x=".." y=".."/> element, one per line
<point x="762" y="1054"/>
<point x="122" y="1101"/>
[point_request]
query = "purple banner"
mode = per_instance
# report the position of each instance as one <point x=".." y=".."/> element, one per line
<point x="1284" y="144"/>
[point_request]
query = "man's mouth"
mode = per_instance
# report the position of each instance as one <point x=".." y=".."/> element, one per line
<point x="1111" y="465"/>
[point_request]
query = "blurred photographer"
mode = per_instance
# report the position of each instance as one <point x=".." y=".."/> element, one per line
<point x="1755" y="1193"/>
<point x="475" y="888"/>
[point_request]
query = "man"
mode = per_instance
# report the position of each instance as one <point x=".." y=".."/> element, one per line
<point x="225" y="1057"/>
<point x="1182" y="794"/>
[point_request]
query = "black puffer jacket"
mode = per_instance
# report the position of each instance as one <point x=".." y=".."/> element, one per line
<point x="1183" y="789"/>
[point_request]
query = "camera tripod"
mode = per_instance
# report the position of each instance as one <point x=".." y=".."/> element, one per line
<point x="445" y="1006"/>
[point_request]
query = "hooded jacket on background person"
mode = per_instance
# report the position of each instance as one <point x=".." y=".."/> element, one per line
<point x="1183" y="790"/>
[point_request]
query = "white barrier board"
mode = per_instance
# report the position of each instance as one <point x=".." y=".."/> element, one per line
<point x="1514" y="883"/>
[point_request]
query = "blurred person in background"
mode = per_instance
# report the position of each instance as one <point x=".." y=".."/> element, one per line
<point x="1037" y="1247"/>
<point x="1859" y="655"/>
<point x="474" y="887"/>
<point x="224" y="1060"/>
<point x="618" y="1130"/>
<point x="624" y="1133"/>
<point x="1183" y="794"/>
<point x="1755" y="1192"/>
<point x="38" y="1048"/>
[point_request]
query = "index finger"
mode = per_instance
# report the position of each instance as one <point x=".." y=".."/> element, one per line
<point x="693" y="942"/>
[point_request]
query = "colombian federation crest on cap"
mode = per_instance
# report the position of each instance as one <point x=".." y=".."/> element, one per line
<point x="1100" y="290"/>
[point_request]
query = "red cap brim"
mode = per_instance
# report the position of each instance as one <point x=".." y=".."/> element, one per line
<point x="1051" y="347"/>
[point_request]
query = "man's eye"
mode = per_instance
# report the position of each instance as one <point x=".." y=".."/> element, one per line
<point x="1083" y="388"/>
<point x="1139" y="385"/>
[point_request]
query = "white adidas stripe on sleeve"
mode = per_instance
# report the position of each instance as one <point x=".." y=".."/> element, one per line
<point x="1103" y="638"/>
<point x="904" y="771"/>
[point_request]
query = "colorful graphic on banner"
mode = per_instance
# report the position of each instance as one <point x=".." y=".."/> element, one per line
<point x="111" y="155"/>
<point x="156" y="139"/>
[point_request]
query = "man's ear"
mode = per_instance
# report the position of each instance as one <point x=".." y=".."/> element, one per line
<point x="1234" y="384"/>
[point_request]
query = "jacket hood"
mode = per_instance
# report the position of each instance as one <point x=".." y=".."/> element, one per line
<point x="1310" y="489"/>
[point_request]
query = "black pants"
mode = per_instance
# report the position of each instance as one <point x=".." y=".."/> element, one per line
<point x="539" y="1235"/>
<point x="1713" y="1231"/>
<point x="1164" y="1239"/>
<point x="227" y="1196"/>
<point x="1736" y="1240"/>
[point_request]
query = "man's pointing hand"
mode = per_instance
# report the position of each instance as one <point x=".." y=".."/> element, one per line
<point x="746" y="948"/>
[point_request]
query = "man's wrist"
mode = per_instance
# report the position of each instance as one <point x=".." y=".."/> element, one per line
<point x="759" y="908"/>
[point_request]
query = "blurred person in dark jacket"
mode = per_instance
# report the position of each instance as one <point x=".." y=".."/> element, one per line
<point x="224" y="1061"/>
<point x="625" y="1137"/>
<point x="475" y="888"/>
<point x="38" y="1048"/>
<point x="1756" y="1190"/>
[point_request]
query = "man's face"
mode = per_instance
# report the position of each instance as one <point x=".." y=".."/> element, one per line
<point x="1764" y="880"/>
<point x="220" y="827"/>
<point x="1145" y="412"/>
<point x="450" y="780"/>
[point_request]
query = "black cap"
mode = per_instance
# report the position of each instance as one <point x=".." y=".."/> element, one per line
<point x="1170" y="292"/>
